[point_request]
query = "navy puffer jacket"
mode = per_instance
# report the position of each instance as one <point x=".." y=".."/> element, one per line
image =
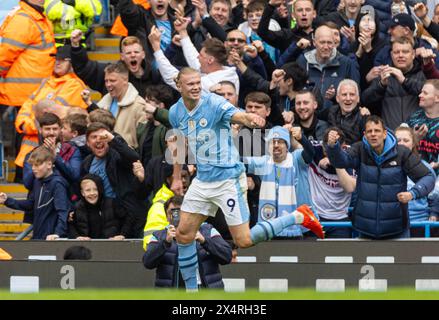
<point x="378" y="213"/>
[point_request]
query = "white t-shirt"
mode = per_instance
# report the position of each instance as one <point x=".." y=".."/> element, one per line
<point x="329" y="198"/>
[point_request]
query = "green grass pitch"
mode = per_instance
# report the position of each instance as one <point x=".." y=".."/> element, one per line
<point x="149" y="294"/>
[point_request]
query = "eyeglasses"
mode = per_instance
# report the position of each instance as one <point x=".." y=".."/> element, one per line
<point x="236" y="39"/>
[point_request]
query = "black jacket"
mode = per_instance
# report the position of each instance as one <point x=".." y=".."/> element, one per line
<point x="398" y="101"/>
<point x="99" y="221"/>
<point x="351" y="124"/>
<point x="163" y="255"/>
<point x="279" y="39"/>
<point x="129" y="194"/>
<point x="92" y="73"/>
<point x="324" y="7"/>
<point x="316" y="131"/>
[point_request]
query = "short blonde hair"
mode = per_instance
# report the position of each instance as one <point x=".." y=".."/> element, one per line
<point x="183" y="71"/>
<point x="433" y="82"/>
<point x="40" y="155"/>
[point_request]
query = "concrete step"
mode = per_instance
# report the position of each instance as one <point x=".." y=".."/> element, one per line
<point x="110" y="45"/>
<point x="12" y="188"/>
<point x="15" y="228"/>
<point x="101" y="31"/>
<point x="14" y="216"/>
<point x="104" y="32"/>
<point x="11" y="236"/>
<point x="103" y="56"/>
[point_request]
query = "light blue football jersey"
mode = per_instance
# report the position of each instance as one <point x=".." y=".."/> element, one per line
<point x="207" y="128"/>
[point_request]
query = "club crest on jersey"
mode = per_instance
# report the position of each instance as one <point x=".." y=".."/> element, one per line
<point x="50" y="95"/>
<point x="203" y="122"/>
<point x="268" y="211"/>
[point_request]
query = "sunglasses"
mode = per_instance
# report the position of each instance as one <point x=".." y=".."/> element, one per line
<point x="236" y="39"/>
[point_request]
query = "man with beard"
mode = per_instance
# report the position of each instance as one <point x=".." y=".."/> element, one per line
<point x="141" y="73"/>
<point x="306" y="106"/>
<point x="283" y="177"/>
<point x="236" y="45"/>
<point x="67" y="158"/>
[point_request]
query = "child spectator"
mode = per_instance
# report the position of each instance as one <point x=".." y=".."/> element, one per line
<point x="73" y="131"/>
<point x="419" y="209"/>
<point x="48" y="202"/>
<point x="103" y="116"/>
<point x="254" y="12"/>
<point x="95" y="215"/>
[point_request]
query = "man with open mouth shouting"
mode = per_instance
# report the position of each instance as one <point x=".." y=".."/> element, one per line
<point x="141" y="73"/>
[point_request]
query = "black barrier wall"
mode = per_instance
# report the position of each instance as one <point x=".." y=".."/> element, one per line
<point x="275" y="265"/>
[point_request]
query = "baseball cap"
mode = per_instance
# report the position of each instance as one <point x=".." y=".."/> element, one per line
<point x="63" y="53"/>
<point x="403" y="19"/>
<point x="279" y="132"/>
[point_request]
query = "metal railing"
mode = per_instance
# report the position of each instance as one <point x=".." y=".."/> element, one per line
<point x="23" y="235"/>
<point x="427" y="225"/>
<point x="4" y="170"/>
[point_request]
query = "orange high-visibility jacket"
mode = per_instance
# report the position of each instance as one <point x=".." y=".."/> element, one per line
<point x="65" y="90"/>
<point x="118" y="28"/>
<point x="26" y="42"/>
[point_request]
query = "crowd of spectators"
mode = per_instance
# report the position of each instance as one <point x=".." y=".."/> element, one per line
<point x="320" y="73"/>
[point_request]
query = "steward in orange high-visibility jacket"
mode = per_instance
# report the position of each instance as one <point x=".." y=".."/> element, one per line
<point x="64" y="88"/>
<point x="26" y="42"/>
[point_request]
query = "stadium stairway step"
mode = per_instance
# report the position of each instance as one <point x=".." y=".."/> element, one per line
<point x="110" y="45"/>
<point x="103" y="32"/>
<point x="11" y="220"/>
<point x="107" y="46"/>
<point x="103" y="56"/>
